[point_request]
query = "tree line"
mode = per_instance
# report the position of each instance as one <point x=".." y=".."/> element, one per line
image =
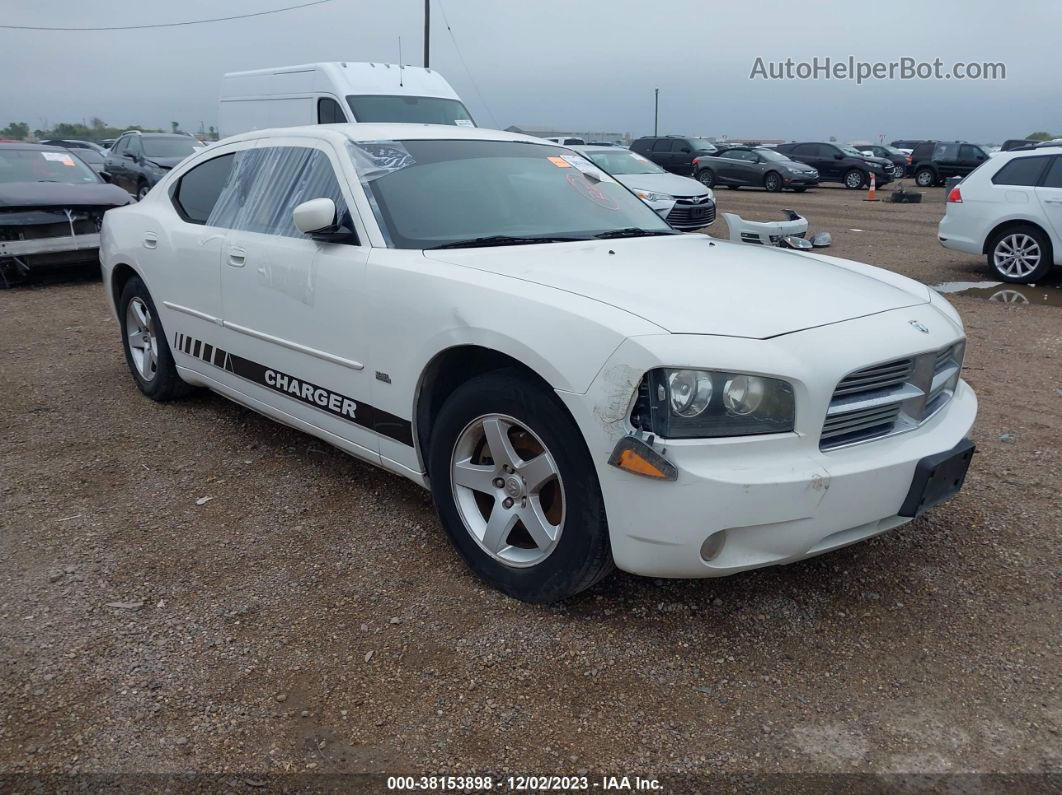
<point x="96" y="130"/>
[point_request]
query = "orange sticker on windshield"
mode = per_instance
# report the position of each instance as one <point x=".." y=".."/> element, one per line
<point x="559" y="162"/>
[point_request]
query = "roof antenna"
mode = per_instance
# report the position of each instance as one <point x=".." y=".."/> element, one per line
<point x="400" y="62"/>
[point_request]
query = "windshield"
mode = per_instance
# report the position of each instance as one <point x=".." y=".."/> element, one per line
<point x="699" y="144"/>
<point x="770" y="154"/>
<point x="415" y="110"/>
<point x="620" y="161"/>
<point x="175" y="146"/>
<point x="848" y="150"/>
<point x="433" y="193"/>
<point x="34" y="165"/>
<point x="90" y="156"/>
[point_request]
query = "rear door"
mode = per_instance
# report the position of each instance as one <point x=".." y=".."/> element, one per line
<point x="681" y="157"/>
<point x="117" y="165"/>
<point x="1050" y="195"/>
<point x="946" y="158"/>
<point x="661" y="153"/>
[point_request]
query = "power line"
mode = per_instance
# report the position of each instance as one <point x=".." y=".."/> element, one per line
<point x="465" y="65"/>
<point x="173" y="24"/>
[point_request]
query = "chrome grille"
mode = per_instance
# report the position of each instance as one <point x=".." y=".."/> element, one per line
<point x="692" y="213"/>
<point x="889" y="398"/>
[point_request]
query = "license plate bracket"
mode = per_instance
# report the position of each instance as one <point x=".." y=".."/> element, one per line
<point x="938" y="478"/>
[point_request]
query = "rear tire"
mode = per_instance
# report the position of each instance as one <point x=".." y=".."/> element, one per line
<point x="1020" y="255"/>
<point x="536" y="537"/>
<point x="925" y="177"/>
<point x="144" y="341"/>
<point x="772" y="182"/>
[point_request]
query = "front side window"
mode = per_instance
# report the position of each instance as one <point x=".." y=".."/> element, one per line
<point x="199" y="189"/>
<point x="35" y="165"/>
<point x="968" y="152"/>
<point x="1022" y="171"/>
<point x="446" y="193"/>
<point x="411" y="110"/>
<point x="1054" y="174"/>
<point x="624" y="162"/>
<point x="121" y="145"/>
<point x="267" y="184"/>
<point x="329" y="111"/>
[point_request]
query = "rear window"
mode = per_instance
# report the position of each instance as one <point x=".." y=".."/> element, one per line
<point x="410" y="110"/>
<point x="1022" y="171"/>
<point x="198" y="190"/>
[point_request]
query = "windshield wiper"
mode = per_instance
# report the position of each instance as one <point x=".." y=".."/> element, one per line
<point x="634" y="231"/>
<point x="503" y="240"/>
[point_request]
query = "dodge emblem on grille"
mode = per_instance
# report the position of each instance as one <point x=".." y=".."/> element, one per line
<point x="919" y="326"/>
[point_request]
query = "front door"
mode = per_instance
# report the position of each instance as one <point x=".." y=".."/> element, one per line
<point x="1050" y="195"/>
<point x="295" y="334"/>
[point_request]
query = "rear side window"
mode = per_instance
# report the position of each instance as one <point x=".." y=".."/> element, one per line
<point x="199" y="189"/>
<point x="1022" y="171"/>
<point x="1054" y="174"/>
<point x="807" y="150"/>
<point x="267" y="184"/>
<point x="662" y="145"/>
<point x="329" y="111"/>
<point x="642" y="145"/>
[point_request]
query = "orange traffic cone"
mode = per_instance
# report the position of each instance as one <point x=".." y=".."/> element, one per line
<point x="872" y="191"/>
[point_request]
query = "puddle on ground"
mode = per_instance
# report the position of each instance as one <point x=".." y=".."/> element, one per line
<point x="1004" y="293"/>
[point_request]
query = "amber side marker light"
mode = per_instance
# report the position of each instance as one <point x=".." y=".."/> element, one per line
<point x="636" y="455"/>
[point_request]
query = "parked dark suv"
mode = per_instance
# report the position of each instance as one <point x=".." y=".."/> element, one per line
<point x="838" y="163"/>
<point x="932" y="162"/>
<point x="675" y="153"/>
<point x="890" y="153"/>
<point x="138" y="160"/>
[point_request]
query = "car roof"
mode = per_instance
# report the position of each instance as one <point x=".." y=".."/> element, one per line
<point x="368" y="131"/>
<point x="31" y="147"/>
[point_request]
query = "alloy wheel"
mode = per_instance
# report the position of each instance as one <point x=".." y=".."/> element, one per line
<point x="853" y="179"/>
<point x="140" y="336"/>
<point x="1017" y="255"/>
<point x="508" y="490"/>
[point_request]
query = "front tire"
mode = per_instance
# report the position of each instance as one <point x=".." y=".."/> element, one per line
<point x="144" y="341"/>
<point x="142" y="190"/>
<point x="772" y="182"/>
<point x="706" y="177"/>
<point x="516" y="490"/>
<point x="1020" y="255"/>
<point x="854" y="179"/>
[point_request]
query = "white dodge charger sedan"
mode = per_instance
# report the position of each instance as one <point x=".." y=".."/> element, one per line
<point x="579" y="385"/>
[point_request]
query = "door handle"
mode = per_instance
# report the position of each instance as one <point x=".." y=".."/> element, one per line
<point x="151" y="240"/>
<point x="237" y="257"/>
<point x="1053" y="201"/>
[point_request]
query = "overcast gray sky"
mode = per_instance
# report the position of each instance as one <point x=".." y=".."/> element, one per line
<point x="567" y="64"/>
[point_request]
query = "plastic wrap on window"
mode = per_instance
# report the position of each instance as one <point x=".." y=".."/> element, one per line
<point x="375" y="159"/>
<point x="267" y="184"/>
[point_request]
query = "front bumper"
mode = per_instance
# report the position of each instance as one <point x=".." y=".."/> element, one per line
<point x="778" y="498"/>
<point x="800" y="180"/>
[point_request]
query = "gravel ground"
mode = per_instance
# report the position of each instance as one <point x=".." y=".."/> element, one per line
<point x="191" y="587"/>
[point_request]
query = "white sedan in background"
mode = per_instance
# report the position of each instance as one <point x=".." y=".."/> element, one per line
<point x="684" y="203"/>
<point x="579" y="385"/>
<point x="1010" y="210"/>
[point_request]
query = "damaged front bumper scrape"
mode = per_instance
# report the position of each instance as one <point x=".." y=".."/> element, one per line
<point x="47" y="237"/>
<point x="740" y="503"/>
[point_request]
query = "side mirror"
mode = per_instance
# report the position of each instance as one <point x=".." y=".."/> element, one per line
<point x="106" y="177"/>
<point x="129" y="155"/>
<point x="838" y="156"/>
<point x="318" y="218"/>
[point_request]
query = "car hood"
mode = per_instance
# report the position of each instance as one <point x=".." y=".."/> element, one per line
<point x="694" y="284"/>
<point x="663" y="183"/>
<point x="58" y="194"/>
<point x="167" y="162"/>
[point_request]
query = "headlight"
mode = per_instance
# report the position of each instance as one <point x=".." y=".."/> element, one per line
<point x="688" y="404"/>
<point x="649" y="196"/>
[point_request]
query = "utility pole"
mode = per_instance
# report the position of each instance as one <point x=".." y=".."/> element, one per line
<point x="656" y="111"/>
<point x="427" y="30"/>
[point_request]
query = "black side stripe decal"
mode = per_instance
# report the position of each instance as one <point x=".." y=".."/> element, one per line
<point x="334" y="403"/>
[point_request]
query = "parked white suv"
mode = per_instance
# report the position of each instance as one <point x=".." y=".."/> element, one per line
<point x="496" y="318"/>
<point x="1010" y="209"/>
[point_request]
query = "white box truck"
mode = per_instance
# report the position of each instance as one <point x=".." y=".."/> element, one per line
<point x="327" y="93"/>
